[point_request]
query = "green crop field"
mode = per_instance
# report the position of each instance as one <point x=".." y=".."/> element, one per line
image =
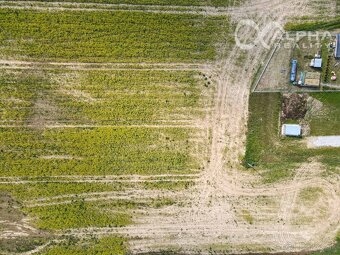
<point x="109" y="36"/>
<point x="118" y="109"/>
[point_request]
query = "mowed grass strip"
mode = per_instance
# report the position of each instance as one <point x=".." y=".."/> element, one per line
<point x="96" y="151"/>
<point x="277" y="156"/>
<point x="102" y="97"/>
<point x="109" y="36"/>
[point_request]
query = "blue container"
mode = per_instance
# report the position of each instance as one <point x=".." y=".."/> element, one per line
<point x="294" y="70"/>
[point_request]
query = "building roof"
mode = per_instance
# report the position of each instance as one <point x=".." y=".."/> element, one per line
<point x="318" y="62"/>
<point x="291" y="130"/>
<point x="337" y="46"/>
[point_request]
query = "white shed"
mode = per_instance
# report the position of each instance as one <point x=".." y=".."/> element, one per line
<point x="291" y="130"/>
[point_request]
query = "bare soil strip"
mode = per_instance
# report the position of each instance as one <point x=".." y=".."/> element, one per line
<point x="130" y="195"/>
<point x="22" y="65"/>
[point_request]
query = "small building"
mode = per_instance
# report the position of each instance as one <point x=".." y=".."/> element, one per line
<point x="337" y="47"/>
<point x="316" y="62"/>
<point x="291" y="130"/>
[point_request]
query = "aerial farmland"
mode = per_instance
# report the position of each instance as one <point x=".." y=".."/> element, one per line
<point x="169" y="127"/>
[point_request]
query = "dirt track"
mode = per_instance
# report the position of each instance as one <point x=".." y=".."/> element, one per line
<point x="212" y="214"/>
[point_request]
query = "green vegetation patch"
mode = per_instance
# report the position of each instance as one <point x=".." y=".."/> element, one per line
<point x="247" y="216"/>
<point x="18" y="92"/>
<point x="263" y="127"/>
<point x="329" y="24"/>
<point x="104" y="246"/>
<point x="21" y="244"/>
<point x="95" y="151"/>
<point x="109" y="36"/>
<point x="76" y="215"/>
<point x="327" y="122"/>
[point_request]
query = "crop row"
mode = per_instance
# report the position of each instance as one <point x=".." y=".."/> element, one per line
<point x="109" y="36"/>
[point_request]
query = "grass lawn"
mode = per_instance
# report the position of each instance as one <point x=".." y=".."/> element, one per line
<point x="328" y="122"/>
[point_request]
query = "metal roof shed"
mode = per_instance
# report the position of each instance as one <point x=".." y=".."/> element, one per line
<point x="337" y="46"/>
<point x="291" y="130"/>
<point x="318" y="62"/>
